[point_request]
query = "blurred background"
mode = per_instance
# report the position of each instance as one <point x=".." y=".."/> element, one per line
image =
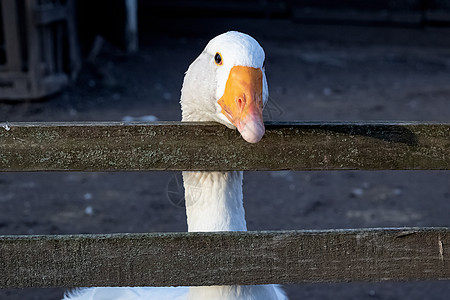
<point x="124" y="60"/>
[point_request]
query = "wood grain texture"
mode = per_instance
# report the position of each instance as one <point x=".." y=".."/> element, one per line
<point x="207" y="146"/>
<point x="166" y="259"/>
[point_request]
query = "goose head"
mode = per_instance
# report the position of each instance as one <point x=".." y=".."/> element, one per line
<point x="227" y="84"/>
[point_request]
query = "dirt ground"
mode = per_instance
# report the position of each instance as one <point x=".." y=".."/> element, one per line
<point x="315" y="72"/>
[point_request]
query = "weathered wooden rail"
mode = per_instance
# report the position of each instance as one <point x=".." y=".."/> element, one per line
<point x="194" y="146"/>
<point x="167" y="259"/>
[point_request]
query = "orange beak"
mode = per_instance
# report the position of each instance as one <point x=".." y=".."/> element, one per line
<point x="242" y="102"/>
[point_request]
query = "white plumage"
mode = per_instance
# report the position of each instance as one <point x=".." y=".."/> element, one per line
<point x="226" y="84"/>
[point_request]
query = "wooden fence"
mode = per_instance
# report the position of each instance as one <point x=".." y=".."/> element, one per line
<point x="170" y="259"/>
<point x="38" y="51"/>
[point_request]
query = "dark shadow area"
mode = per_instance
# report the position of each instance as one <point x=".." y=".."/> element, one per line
<point x="387" y="133"/>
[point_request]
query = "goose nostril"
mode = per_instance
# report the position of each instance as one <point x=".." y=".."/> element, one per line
<point x="240" y="102"/>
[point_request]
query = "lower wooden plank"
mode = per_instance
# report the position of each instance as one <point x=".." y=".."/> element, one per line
<point x="172" y="259"/>
<point x="106" y="146"/>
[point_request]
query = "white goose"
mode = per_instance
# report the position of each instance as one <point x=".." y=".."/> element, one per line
<point x="227" y="84"/>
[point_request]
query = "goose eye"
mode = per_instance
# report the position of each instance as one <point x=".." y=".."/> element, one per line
<point x="218" y="59"/>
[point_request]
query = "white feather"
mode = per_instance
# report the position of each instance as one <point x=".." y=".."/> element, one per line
<point x="213" y="199"/>
<point x="236" y="292"/>
<point x="128" y="293"/>
<point x="237" y="49"/>
<point x="206" y="80"/>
